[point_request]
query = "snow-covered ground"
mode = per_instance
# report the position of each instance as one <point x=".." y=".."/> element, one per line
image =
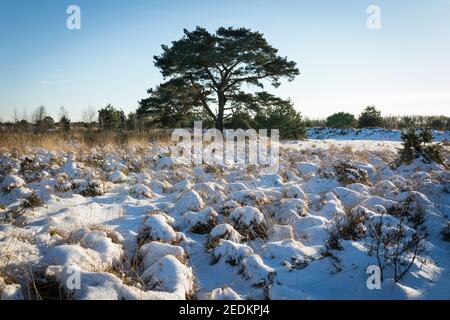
<point x="378" y="134"/>
<point x="130" y="224"/>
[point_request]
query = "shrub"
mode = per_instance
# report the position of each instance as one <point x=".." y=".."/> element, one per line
<point x="370" y="118"/>
<point x="110" y="118"/>
<point x="33" y="201"/>
<point x="393" y="246"/>
<point x="417" y="145"/>
<point x="334" y="240"/>
<point x="283" y="117"/>
<point x="348" y="174"/>
<point x="341" y="120"/>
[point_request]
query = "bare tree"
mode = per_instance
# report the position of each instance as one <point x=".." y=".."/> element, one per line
<point x="16" y="116"/>
<point x="24" y="115"/>
<point x="63" y="112"/>
<point x="39" y="114"/>
<point x="89" y="115"/>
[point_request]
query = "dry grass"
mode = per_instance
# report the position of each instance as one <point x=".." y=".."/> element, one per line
<point x="81" y="139"/>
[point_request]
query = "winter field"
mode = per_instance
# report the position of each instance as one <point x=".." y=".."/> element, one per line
<point x="129" y="223"/>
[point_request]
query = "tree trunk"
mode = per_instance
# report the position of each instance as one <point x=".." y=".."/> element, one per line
<point x="221" y="111"/>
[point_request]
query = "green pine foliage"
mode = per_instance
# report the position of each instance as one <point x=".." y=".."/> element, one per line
<point x="419" y="144"/>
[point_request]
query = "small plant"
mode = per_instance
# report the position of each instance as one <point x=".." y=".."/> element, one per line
<point x="349" y="227"/>
<point x="393" y="246"/>
<point x="419" y="145"/>
<point x="33" y="201"/>
<point x="348" y="174"/>
<point x="334" y="240"/>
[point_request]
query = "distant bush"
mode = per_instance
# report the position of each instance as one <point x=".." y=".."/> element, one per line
<point x="283" y="117"/>
<point x="110" y="118"/>
<point x="370" y="118"/>
<point x="341" y="120"/>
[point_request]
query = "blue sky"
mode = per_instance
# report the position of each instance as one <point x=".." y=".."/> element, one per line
<point x="403" y="68"/>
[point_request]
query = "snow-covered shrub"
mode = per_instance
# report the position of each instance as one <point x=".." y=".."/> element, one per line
<point x="293" y="191"/>
<point x="170" y="275"/>
<point x="253" y="268"/>
<point x="348" y="174"/>
<point x="348" y="197"/>
<point x="63" y="185"/>
<point x="249" y="197"/>
<point x="396" y="245"/>
<point x="11" y="182"/>
<point x="216" y="170"/>
<point x="228" y="207"/>
<point x="298" y="206"/>
<point x="281" y="232"/>
<point x="222" y="231"/>
<point x="91" y="188"/>
<point x="117" y="177"/>
<point x="224" y="294"/>
<point x="189" y="201"/>
<point x="230" y="252"/>
<point x="74" y="254"/>
<point x="352" y="225"/>
<point x="290" y="252"/>
<point x="249" y="221"/>
<point x="157" y="227"/>
<point x="33" y="201"/>
<point x="153" y="251"/>
<point x="142" y="190"/>
<point x="182" y="186"/>
<point x="160" y="186"/>
<point x="110" y="253"/>
<point x="102" y="286"/>
<point x="307" y="168"/>
<point x="199" y="222"/>
<point x="332" y="207"/>
<point x="10" y="291"/>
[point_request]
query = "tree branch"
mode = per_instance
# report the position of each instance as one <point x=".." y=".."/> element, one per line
<point x="202" y="98"/>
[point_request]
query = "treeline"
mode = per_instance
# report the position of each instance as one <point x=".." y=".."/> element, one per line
<point x="371" y="117"/>
<point x="290" y="122"/>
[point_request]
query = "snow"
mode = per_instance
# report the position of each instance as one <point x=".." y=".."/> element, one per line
<point x="246" y="216"/>
<point x="142" y="190"/>
<point x="168" y="274"/>
<point x="157" y="227"/>
<point x="11" y="182"/>
<point x="224" y="231"/>
<point x="254" y="269"/>
<point x="366" y="134"/>
<point x="153" y="251"/>
<point x="224" y="294"/>
<point x="231" y="252"/>
<point x="117" y="177"/>
<point x="189" y="201"/>
<point x="136" y="225"/>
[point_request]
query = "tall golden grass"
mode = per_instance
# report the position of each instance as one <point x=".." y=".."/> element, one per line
<point x="78" y="140"/>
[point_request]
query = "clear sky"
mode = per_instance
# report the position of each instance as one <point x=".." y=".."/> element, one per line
<point x="403" y="68"/>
